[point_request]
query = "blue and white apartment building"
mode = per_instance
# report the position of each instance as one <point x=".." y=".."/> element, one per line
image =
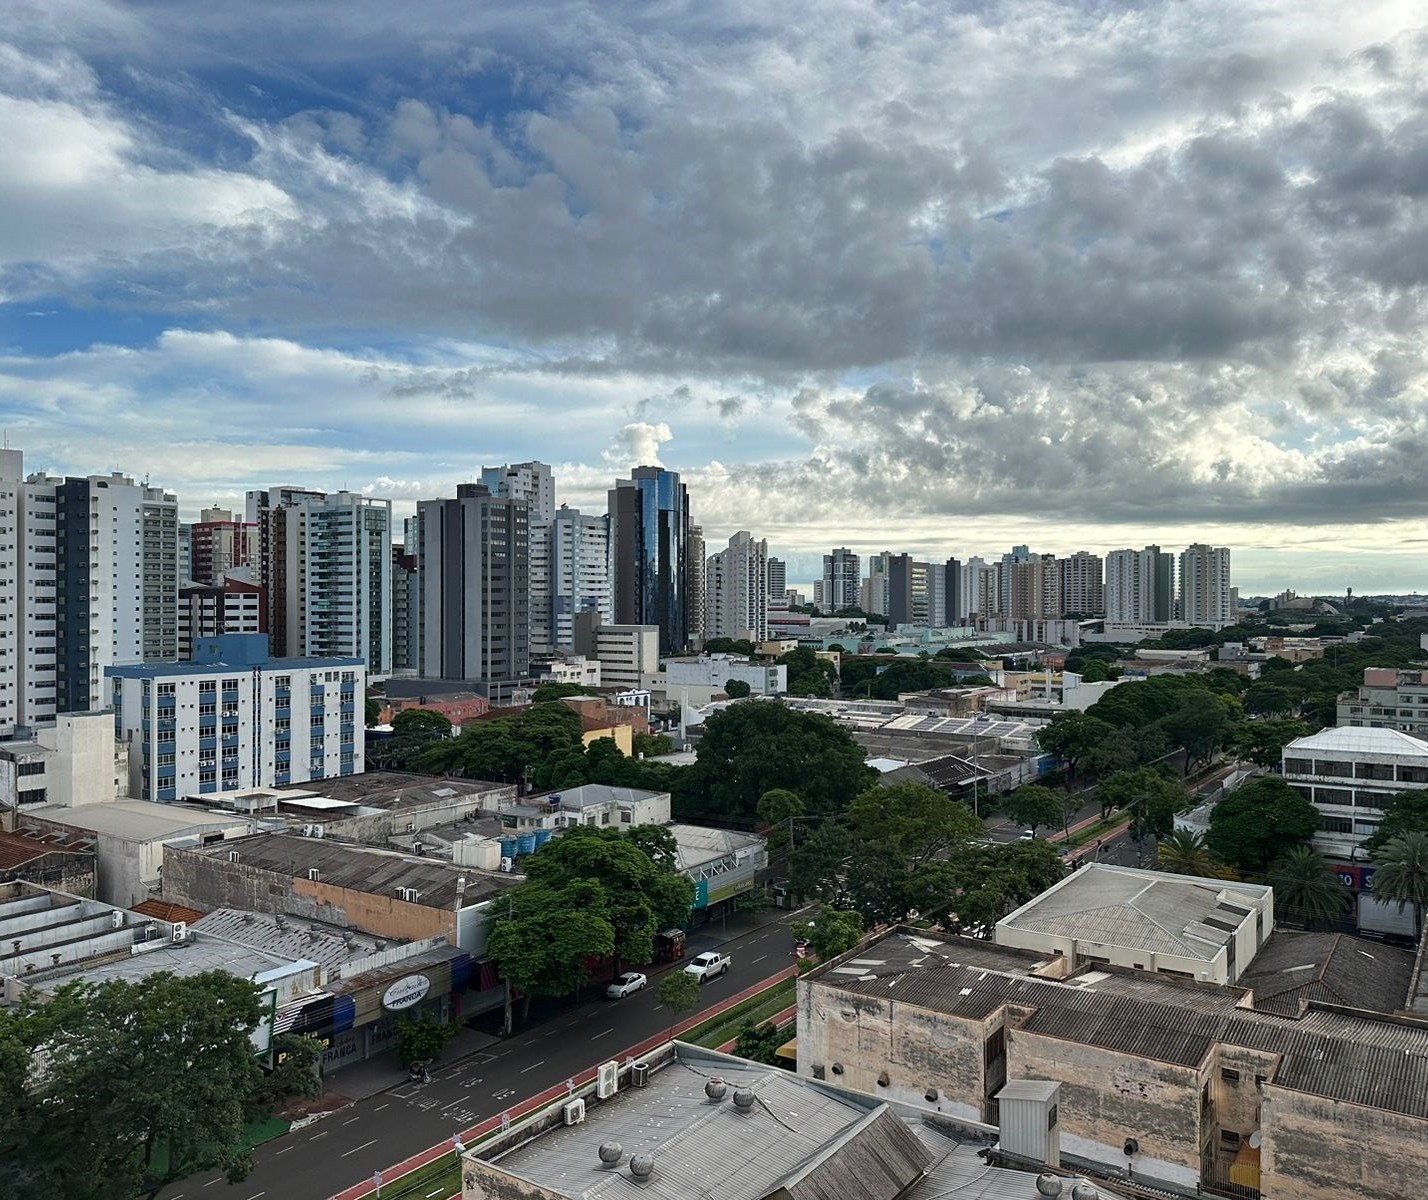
<point x="233" y="717"/>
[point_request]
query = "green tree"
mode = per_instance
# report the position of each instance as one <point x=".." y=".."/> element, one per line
<point x="143" y="1083"/>
<point x="1184" y="852"/>
<point x="659" y="844"/>
<point x="1151" y="799"/>
<point x="295" y="1074"/>
<point x="1096" y="671"/>
<point x="1402" y="875"/>
<point x="1071" y="736"/>
<point x="759" y="1043"/>
<point x="678" y="992"/>
<point x="776" y="811"/>
<point x="874" y="883"/>
<point x="421" y="1039"/>
<point x="1263" y="742"/>
<point x="642" y="895"/>
<point x="1032" y="805"/>
<point x="748" y="749"/>
<point x="816" y="860"/>
<point x="1260" y="822"/>
<point x="911" y="821"/>
<point x="736" y="689"/>
<point x="1304" y="885"/>
<point x="833" y="931"/>
<point x="1199" y="725"/>
<point x="651" y="745"/>
<point x="504" y="748"/>
<point x="542" y="941"/>
<point x="1269" y="700"/>
<point x="421" y="722"/>
<point x="546" y="693"/>
<point x="374" y="711"/>
<point x="1407" y="812"/>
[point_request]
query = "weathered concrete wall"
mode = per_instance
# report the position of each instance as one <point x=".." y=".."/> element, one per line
<point x="1108" y="1096"/>
<point x="482" y="1181"/>
<point x="912" y="1049"/>
<point x="1319" y="1149"/>
<point x="207" y="882"/>
<point x="377" y="827"/>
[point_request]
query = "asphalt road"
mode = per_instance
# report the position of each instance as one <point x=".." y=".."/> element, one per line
<point x="347" y="1147"/>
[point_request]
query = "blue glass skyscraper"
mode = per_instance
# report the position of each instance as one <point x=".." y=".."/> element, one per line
<point x="649" y="536"/>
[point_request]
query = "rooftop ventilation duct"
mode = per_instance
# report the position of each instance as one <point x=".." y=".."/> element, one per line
<point x="1048" y="1185"/>
<point x="611" y="1153"/>
<point x="642" y="1166"/>
<point x="716" y="1089"/>
<point x="744" y="1100"/>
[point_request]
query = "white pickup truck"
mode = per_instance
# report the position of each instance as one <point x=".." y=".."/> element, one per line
<point x="708" y="965"/>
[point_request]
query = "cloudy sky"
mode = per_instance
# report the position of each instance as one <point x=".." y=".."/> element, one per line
<point x="934" y="276"/>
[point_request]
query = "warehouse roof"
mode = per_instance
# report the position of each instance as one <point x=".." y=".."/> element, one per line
<point x="140" y="820"/>
<point x="796" y="1139"/>
<point x="1352" y="739"/>
<point x="1380" y="1062"/>
<point x="327" y="945"/>
<point x="1333" y="968"/>
<point x="361" y="868"/>
<point x="1106" y="905"/>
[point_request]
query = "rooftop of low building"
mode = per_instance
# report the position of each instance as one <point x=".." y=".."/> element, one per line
<point x="1160" y="913"/>
<point x="1353" y="739"/>
<point x="288" y="937"/>
<point x="363" y="868"/>
<point x="1325" y="1050"/>
<point x="141" y="820"/>
<point x="1294" y="968"/>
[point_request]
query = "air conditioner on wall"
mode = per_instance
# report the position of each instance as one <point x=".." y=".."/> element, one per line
<point x="574" y="1112"/>
<point x="608" y="1081"/>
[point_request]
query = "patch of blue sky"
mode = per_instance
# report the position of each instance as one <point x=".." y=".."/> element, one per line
<point x="49" y="326"/>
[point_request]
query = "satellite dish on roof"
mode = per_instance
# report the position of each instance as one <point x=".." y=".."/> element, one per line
<point x="1255" y="1139"/>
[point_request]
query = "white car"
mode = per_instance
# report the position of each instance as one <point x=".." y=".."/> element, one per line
<point x="630" y="981"/>
<point x="1027" y="835"/>
<point x="709" y="965"/>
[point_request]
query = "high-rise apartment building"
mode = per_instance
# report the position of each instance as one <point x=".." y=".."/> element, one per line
<point x="88" y="578"/>
<point x="579" y="556"/>
<point x="533" y="483"/>
<point x="979" y="592"/>
<point x="1035" y="589"/>
<point x="1019" y="554"/>
<point x="217" y="544"/>
<point x="873" y="594"/>
<point x="694" y="581"/>
<point x="326" y="562"/>
<point x="1082" y="584"/>
<point x="405" y="601"/>
<point x="474" y="586"/>
<point x="954" y="603"/>
<point x="1140" y="585"/>
<point x="778" y="585"/>
<point x="649" y="535"/>
<point x="1205" y="585"/>
<point x="910" y="591"/>
<point x="842" y="577"/>
<point x="233" y="606"/>
<point x="736" y="593"/>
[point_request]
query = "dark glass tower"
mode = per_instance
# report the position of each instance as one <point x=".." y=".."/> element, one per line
<point x="649" y="535"/>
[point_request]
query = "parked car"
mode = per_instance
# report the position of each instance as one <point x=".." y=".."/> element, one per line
<point x="1027" y="835"/>
<point x="630" y="981"/>
<point x="709" y="965"/>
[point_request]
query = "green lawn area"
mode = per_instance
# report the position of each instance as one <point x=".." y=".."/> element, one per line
<point x="725" y="1027"/>
<point x="437" y="1181"/>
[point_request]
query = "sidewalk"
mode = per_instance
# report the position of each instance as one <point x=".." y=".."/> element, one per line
<point x="364" y="1079"/>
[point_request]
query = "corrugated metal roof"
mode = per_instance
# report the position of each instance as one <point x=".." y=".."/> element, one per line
<point x="1382" y="1063"/>
<point x="1332" y="968"/>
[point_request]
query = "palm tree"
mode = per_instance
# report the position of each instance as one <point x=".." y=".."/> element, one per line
<point x="1185" y="853"/>
<point x="1303" y="884"/>
<point x="1402" y="874"/>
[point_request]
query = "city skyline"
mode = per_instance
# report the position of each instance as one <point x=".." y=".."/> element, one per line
<point x="992" y="273"/>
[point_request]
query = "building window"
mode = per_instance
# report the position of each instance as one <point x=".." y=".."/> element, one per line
<point x="1230" y="1075"/>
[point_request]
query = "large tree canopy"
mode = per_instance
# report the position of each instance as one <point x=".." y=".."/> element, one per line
<point x="111" y="1091"/>
<point x="751" y="748"/>
<point x="504" y="748"/>
<point x="1259" y="823"/>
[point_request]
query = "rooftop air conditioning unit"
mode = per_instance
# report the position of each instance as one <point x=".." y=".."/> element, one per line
<point x="318" y="831"/>
<point x="608" y="1081"/>
<point x="313" y="874"/>
<point x="116" y="918"/>
<point x="180" y="931"/>
<point x="574" y="1112"/>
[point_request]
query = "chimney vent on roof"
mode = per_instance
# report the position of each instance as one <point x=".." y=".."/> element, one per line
<point x="611" y="1153"/>
<point x="642" y="1166"/>
<point x="744" y="1100"/>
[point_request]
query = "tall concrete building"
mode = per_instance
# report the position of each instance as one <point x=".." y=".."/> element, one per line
<point x="579" y="558"/>
<point x="1205" y="585"/>
<point x="326" y="562"/>
<point x="233" y="606"/>
<point x="649" y="535"/>
<point x="736" y="592"/>
<point x="90" y="579"/>
<point x="218" y="543"/>
<point x="842" y="577"/>
<point x="1140" y="585"/>
<point x="1082" y="579"/>
<point x="778" y="585"/>
<point x="405" y="601"/>
<point x="474" y="586"/>
<point x="533" y="483"/>
<point x="910" y="591"/>
<point x="954" y="601"/>
<point x="1035" y="589"/>
<point x="979" y="595"/>
<point x="694" y="582"/>
<point x="873" y="594"/>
